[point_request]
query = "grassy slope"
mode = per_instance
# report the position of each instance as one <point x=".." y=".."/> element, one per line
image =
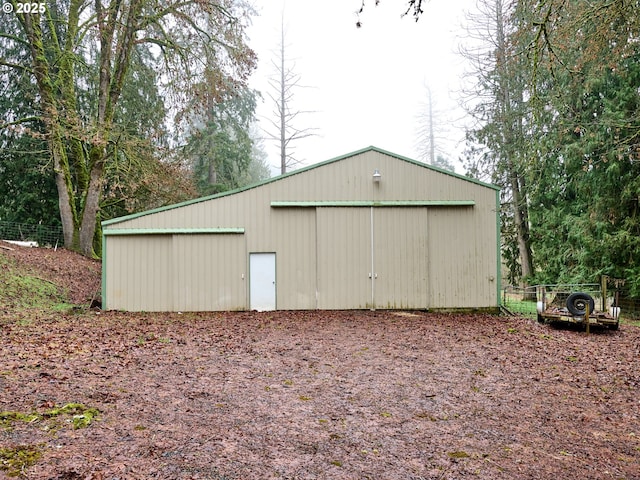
<point x="20" y="288"/>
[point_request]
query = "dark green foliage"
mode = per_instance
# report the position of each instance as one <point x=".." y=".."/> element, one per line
<point x="572" y="77"/>
<point x="136" y="178"/>
<point x="588" y="185"/>
<point x="221" y="149"/>
<point x="88" y="73"/>
<point x="27" y="189"/>
<point x="141" y="174"/>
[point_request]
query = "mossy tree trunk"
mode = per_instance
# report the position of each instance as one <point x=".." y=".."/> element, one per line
<point x="78" y="170"/>
<point x="79" y="104"/>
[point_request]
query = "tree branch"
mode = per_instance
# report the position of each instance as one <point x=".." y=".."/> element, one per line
<point x="19" y="121"/>
<point x="17" y="66"/>
<point x="14" y="38"/>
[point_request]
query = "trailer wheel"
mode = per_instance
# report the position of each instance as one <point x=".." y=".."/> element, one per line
<point x="577" y="303"/>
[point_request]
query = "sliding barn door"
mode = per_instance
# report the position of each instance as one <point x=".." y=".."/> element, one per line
<point x="344" y="258"/>
<point x="372" y="258"/>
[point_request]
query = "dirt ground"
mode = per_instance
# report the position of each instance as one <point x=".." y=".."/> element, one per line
<point x="318" y="395"/>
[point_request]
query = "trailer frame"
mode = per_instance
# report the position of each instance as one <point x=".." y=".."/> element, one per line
<point x="550" y="307"/>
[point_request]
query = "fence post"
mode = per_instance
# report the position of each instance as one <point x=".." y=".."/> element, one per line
<point x="586" y="319"/>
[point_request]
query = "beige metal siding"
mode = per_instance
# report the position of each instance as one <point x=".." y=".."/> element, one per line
<point x="209" y="272"/>
<point x="344" y="258"/>
<point x="139" y="273"/>
<point x="294" y="239"/>
<point x="394" y="277"/>
<point x="324" y="254"/>
<point x="463" y="262"/>
<point x="401" y="258"/>
<point x="175" y="272"/>
<point x="349" y="179"/>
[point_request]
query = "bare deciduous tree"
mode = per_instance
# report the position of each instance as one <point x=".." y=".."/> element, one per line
<point x="284" y="129"/>
<point x="430" y="130"/>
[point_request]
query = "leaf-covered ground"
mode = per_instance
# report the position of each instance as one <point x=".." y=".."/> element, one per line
<point x="75" y="277"/>
<point x="320" y="395"/>
<point x="305" y="395"/>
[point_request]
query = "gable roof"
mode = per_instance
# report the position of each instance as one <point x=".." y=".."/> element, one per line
<point x="290" y="174"/>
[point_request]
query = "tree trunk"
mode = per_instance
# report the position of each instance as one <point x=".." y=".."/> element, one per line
<point x="56" y="47"/>
<point x="510" y="89"/>
<point x="54" y="129"/>
<point x="90" y="212"/>
<point x="65" y="198"/>
<point x="521" y="221"/>
<point x="283" y="107"/>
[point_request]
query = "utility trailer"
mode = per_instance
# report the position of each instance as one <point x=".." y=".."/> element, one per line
<point x="559" y="305"/>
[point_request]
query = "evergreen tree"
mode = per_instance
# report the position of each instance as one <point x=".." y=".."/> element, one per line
<point x="220" y="147"/>
<point x="27" y="190"/>
<point x="500" y="144"/>
<point x="587" y="193"/>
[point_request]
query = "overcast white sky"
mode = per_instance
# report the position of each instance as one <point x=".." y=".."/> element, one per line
<point x="368" y="84"/>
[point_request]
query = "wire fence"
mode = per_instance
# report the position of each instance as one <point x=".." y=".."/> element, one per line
<point x="44" y="235"/>
<point x="521" y="301"/>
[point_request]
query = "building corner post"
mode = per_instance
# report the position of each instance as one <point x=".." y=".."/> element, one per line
<point x="498" y="250"/>
<point x="103" y="287"/>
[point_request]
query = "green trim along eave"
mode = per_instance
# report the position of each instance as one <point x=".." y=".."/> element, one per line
<point x="170" y="231"/>
<point x="392" y="203"/>
<point x="499" y="250"/>
<point x="295" y="172"/>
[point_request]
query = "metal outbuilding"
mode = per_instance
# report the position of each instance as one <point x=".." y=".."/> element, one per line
<point x="370" y="229"/>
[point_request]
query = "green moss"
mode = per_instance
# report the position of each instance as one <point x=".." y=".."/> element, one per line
<point x="458" y="454"/>
<point x="8" y="418"/>
<point x="23" y="290"/>
<point x="15" y="460"/>
<point x="81" y="415"/>
<point x="65" y="307"/>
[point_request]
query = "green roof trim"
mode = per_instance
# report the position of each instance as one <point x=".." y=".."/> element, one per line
<point x="169" y="231"/>
<point x="392" y="203"/>
<point x="296" y="172"/>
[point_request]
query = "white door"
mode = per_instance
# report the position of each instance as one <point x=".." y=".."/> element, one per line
<point x="262" y="281"/>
